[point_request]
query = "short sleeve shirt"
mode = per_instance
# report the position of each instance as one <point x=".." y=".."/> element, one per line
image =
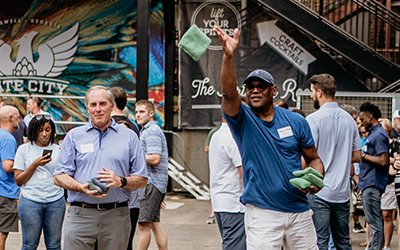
<point x="86" y="150"/>
<point x="226" y="184"/>
<point x="270" y="153"/>
<point x="153" y="142"/>
<point x="40" y="187"/>
<point x="371" y="175"/>
<point x="8" y="148"/>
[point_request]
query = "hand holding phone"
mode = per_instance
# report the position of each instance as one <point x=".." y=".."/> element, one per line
<point x="47" y="153"/>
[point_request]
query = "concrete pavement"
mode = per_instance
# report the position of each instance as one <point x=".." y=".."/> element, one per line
<point x="184" y="221"/>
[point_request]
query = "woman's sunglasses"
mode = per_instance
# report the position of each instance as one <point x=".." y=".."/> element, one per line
<point x="40" y="117"/>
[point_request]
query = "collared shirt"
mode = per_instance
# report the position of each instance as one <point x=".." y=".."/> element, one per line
<point x="226" y="184"/>
<point x="270" y="154"/>
<point x="8" y="148"/>
<point x="86" y="150"/>
<point x="153" y="142"/>
<point x="336" y="137"/>
<point x="372" y="175"/>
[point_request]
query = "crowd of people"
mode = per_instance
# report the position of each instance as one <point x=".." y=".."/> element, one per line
<point x="115" y="176"/>
<point x="273" y="143"/>
<point x="278" y="179"/>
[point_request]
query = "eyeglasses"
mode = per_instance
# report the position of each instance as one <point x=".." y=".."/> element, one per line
<point x="40" y="117"/>
<point x="261" y="87"/>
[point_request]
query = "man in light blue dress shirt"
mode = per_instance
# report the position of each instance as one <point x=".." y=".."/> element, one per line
<point x="337" y="141"/>
<point x="111" y="153"/>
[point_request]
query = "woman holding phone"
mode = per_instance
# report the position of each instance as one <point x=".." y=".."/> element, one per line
<point x="42" y="204"/>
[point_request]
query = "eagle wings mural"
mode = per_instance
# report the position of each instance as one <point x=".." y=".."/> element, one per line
<point x="54" y="56"/>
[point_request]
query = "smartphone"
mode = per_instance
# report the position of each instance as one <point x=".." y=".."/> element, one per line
<point x="46" y="152"/>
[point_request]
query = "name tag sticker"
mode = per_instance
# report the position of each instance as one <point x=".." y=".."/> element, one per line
<point x="285" y="132"/>
<point x="86" y="148"/>
<point x="42" y="175"/>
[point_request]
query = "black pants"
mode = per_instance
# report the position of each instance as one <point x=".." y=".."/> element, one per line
<point x="134" y="218"/>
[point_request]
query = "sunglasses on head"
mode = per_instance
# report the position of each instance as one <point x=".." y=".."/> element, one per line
<point x="261" y="86"/>
<point x="40" y="117"/>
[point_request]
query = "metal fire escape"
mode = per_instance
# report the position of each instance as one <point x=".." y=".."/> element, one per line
<point x="364" y="32"/>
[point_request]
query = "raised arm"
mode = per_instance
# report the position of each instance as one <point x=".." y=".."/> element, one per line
<point x="230" y="95"/>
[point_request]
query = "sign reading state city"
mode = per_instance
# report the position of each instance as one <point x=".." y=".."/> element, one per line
<point x="57" y="50"/>
<point x="37" y="76"/>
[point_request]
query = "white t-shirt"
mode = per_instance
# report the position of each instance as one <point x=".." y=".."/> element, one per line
<point x="336" y="137"/>
<point x="40" y="187"/>
<point x="226" y="184"/>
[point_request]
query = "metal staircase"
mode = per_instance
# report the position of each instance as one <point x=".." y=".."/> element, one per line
<point x="188" y="181"/>
<point x="371" y="42"/>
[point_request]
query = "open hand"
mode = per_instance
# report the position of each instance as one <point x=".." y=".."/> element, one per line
<point x="229" y="44"/>
<point x="109" y="176"/>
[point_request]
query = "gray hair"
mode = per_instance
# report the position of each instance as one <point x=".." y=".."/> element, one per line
<point x="110" y="95"/>
<point x="349" y="109"/>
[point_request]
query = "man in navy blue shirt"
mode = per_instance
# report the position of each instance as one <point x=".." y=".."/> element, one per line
<point x="374" y="172"/>
<point x="270" y="140"/>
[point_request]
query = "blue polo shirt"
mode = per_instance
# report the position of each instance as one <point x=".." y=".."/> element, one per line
<point x="270" y="153"/>
<point x="86" y="150"/>
<point x="371" y="175"/>
<point x="153" y="142"/>
<point x="8" y="148"/>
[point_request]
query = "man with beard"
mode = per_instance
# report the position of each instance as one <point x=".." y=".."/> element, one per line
<point x="336" y="138"/>
<point x="270" y="140"/>
<point x="374" y="172"/>
<point x="9" y="191"/>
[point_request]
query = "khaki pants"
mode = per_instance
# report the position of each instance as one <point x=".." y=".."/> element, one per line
<point x="86" y="226"/>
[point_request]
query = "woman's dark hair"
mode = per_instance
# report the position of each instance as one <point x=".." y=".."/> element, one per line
<point x="36" y="123"/>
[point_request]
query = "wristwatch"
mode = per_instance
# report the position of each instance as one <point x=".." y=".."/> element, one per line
<point x="363" y="155"/>
<point x="124" y="182"/>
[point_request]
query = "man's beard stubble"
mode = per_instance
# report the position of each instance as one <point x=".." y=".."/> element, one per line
<point x="316" y="104"/>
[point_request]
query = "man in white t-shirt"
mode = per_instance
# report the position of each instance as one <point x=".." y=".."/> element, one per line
<point x="338" y="145"/>
<point x="226" y="185"/>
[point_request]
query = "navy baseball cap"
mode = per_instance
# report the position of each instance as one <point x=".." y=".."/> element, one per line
<point x="260" y="74"/>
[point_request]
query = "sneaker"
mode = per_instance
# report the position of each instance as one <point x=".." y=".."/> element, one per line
<point x="386" y="248"/>
<point x="358" y="228"/>
<point x="211" y="219"/>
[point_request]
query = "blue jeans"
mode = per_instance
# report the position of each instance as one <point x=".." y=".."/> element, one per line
<point x="231" y="227"/>
<point x="331" y="217"/>
<point x="371" y="200"/>
<point x="36" y="215"/>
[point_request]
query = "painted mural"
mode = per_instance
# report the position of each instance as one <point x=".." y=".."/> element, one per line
<point x="58" y="49"/>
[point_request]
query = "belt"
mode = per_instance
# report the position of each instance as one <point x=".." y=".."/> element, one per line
<point x="103" y="206"/>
